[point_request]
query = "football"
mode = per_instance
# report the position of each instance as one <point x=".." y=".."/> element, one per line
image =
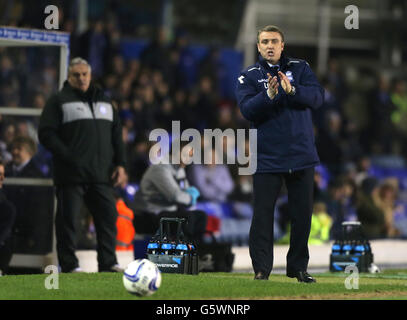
<point x="374" y="268"/>
<point x="142" y="277"/>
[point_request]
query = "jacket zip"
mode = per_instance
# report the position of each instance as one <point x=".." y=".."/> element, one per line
<point x="92" y="105"/>
<point x="97" y="133"/>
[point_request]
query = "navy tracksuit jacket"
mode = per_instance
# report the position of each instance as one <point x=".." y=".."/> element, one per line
<point x="285" y="137"/>
<point x="285" y="151"/>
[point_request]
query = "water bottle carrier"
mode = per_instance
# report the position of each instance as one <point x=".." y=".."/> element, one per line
<point x="352" y="249"/>
<point x="173" y="253"/>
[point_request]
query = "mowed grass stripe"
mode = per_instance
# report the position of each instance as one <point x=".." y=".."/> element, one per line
<point x="108" y="286"/>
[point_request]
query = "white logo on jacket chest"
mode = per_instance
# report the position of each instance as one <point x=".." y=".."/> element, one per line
<point x="103" y="109"/>
<point x="289" y="75"/>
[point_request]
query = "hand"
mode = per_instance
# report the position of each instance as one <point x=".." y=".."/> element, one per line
<point x="194" y="193"/>
<point x="119" y="176"/>
<point x="273" y="85"/>
<point x="285" y="83"/>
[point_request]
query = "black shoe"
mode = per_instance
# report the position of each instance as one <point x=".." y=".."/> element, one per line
<point x="260" y="276"/>
<point x="302" y="276"/>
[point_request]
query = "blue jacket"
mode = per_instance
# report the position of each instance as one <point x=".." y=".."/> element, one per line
<point x="285" y="136"/>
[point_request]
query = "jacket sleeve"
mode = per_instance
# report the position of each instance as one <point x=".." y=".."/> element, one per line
<point x="168" y="186"/>
<point x="308" y="91"/>
<point x="50" y="122"/>
<point x="117" y="138"/>
<point x="253" y="105"/>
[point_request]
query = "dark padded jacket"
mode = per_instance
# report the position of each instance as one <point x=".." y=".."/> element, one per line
<point x="285" y="137"/>
<point x="83" y="132"/>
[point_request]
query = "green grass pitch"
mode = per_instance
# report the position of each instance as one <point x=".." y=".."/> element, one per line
<point x="388" y="285"/>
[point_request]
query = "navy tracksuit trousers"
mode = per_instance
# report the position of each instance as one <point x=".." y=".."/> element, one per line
<point x="266" y="189"/>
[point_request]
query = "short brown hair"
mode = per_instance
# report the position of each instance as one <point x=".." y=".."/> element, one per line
<point x="27" y="142"/>
<point x="270" y="28"/>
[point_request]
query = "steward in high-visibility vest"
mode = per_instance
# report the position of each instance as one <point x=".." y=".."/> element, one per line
<point x="125" y="228"/>
<point x="320" y="224"/>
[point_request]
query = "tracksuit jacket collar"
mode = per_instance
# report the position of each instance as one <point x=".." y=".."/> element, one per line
<point x="282" y="63"/>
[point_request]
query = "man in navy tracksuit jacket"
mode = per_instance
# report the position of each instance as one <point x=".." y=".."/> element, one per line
<point x="277" y="95"/>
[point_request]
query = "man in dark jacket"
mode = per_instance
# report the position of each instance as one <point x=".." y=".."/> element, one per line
<point x="81" y="128"/>
<point x="277" y="95"/>
<point x="7" y="218"/>
<point x="32" y="232"/>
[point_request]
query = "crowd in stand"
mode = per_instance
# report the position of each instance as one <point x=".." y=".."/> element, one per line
<point x="157" y="88"/>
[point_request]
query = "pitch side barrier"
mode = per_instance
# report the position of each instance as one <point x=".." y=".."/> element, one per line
<point x="23" y="37"/>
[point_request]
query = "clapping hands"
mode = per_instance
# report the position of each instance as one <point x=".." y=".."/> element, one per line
<point x="285" y="83"/>
<point x="273" y="84"/>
